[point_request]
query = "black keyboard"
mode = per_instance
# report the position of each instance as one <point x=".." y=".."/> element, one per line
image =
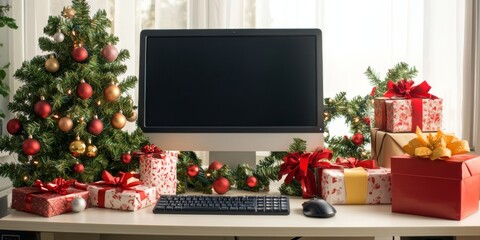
<point x="227" y="205"/>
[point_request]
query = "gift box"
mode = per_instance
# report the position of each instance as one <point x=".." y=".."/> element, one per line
<point x="404" y="115"/>
<point x="159" y="170"/>
<point x="124" y="192"/>
<point x="385" y="145"/>
<point x="47" y="204"/>
<point x="356" y="186"/>
<point x="444" y="189"/>
<point x="405" y="106"/>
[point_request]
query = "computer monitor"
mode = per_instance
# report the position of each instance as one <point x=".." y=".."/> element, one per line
<point x="231" y="89"/>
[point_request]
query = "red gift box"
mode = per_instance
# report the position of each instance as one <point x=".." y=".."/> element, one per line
<point x="442" y="188"/>
<point x="47" y="204"/>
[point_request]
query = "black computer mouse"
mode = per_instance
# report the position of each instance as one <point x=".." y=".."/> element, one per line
<point x="318" y="208"/>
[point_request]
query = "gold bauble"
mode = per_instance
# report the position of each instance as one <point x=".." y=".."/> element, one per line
<point x="52" y="65"/>
<point x="65" y="124"/>
<point x="118" y="120"/>
<point x="133" y="117"/>
<point x="68" y="12"/>
<point x="77" y="147"/>
<point x="111" y="93"/>
<point x="92" y="150"/>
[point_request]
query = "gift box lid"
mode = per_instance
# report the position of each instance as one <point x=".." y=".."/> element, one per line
<point x="458" y="167"/>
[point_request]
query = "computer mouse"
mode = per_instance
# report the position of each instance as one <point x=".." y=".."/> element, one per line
<point x="318" y="208"/>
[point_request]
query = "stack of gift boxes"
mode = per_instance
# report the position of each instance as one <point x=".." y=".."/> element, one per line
<point x="416" y="167"/>
<point x="126" y="191"/>
<point x="431" y="173"/>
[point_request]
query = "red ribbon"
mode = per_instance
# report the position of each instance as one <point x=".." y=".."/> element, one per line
<point x="404" y="88"/>
<point x="124" y="181"/>
<point x="150" y="150"/>
<point x="58" y="185"/>
<point x="353" y="163"/>
<point x="301" y="167"/>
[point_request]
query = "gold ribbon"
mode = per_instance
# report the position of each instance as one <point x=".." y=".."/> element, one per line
<point x="356" y="180"/>
<point x="438" y="147"/>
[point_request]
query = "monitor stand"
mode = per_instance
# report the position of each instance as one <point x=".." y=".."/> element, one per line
<point x="232" y="159"/>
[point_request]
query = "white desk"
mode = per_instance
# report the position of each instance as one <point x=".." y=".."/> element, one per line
<point x="352" y="220"/>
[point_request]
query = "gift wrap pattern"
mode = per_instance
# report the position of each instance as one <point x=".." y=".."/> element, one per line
<point x="30" y="199"/>
<point x="378" y="189"/>
<point x="160" y="171"/>
<point x="400" y="115"/>
<point x="116" y="198"/>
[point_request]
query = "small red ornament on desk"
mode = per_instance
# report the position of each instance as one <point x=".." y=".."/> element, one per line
<point x="193" y="170"/>
<point x="221" y="185"/>
<point x="252" y="181"/>
<point x="215" y="165"/>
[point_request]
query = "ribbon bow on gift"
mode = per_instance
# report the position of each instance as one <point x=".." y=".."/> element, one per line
<point x="124" y="181"/>
<point x="404" y="88"/>
<point x="58" y="185"/>
<point x="150" y="150"/>
<point x="440" y="146"/>
<point x="353" y="163"/>
<point x="296" y="165"/>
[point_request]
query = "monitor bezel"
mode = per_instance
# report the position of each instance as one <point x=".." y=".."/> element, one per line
<point x="145" y="34"/>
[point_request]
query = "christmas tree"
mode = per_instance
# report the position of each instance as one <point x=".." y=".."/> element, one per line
<point x="71" y="108"/>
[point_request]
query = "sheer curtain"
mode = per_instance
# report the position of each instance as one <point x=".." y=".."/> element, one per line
<point x="356" y="34"/>
<point x="427" y="34"/>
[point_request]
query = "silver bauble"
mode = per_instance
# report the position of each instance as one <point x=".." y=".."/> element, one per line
<point x="58" y="37"/>
<point x="78" y="204"/>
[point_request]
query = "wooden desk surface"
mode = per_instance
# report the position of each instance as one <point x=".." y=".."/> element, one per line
<point x="350" y="220"/>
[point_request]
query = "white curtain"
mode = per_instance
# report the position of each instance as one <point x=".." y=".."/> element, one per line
<point x="356" y="34"/>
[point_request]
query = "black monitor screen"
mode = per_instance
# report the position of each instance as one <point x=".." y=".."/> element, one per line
<point x="231" y="81"/>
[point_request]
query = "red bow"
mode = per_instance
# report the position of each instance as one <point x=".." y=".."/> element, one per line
<point x="58" y="185"/>
<point x="124" y="181"/>
<point x="301" y="167"/>
<point x="405" y="88"/>
<point x="353" y="163"/>
<point x="151" y="148"/>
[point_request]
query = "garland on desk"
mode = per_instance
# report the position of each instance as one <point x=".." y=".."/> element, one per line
<point x="243" y="177"/>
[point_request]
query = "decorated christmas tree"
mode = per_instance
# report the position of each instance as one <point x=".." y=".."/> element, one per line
<point x="71" y="109"/>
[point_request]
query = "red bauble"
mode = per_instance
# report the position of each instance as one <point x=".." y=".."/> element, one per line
<point x="79" y="168"/>
<point x="221" y="185"/>
<point x="357" y="139"/>
<point x="84" y="90"/>
<point x="126" y="158"/>
<point x="79" y="54"/>
<point x="193" y="170"/>
<point x="110" y="53"/>
<point x="31" y="146"/>
<point x="95" y="126"/>
<point x="215" y="166"/>
<point x="252" y="181"/>
<point x="43" y="109"/>
<point x="14" y="126"/>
